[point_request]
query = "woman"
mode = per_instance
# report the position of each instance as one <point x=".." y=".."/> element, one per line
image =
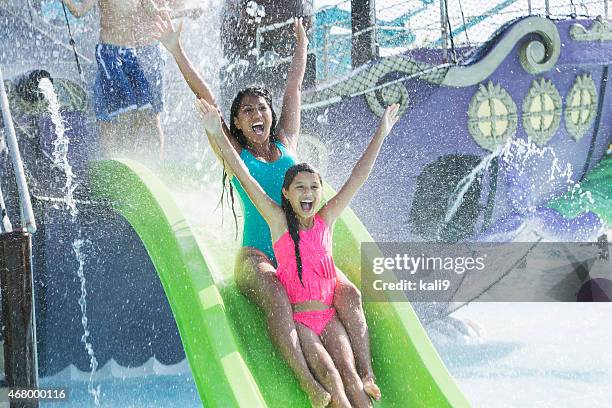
<point x="268" y="149"/>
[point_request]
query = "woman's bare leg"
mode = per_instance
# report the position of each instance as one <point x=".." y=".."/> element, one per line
<point x="336" y="342"/>
<point x="347" y="301"/>
<point x="323" y="367"/>
<point x="256" y="279"/>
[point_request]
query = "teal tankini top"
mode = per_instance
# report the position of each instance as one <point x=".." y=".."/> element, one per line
<point x="270" y="177"/>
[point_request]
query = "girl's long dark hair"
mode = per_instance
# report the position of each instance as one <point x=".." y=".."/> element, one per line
<point x="293" y="224"/>
<point x="239" y="136"/>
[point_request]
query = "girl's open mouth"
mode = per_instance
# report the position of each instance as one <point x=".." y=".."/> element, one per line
<point x="306" y="205"/>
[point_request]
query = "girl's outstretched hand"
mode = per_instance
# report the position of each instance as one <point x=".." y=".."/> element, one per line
<point x="389" y="119"/>
<point x="210" y="116"/>
<point x="300" y="33"/>
<point x="166" y="34"/>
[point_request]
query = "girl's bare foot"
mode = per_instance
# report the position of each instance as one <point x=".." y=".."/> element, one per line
<point x="319" y="398"/>
<point x="370" y="388"/>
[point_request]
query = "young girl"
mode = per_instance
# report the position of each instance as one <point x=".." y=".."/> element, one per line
<point x="267" y="147"/>
<point x="302" y="245"/>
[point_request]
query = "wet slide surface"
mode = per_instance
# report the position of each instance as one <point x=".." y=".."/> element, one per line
<point x="224" y="336"/>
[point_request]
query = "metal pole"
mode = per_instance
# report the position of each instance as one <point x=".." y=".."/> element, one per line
<point x="606" y="9"/>
<point x="444" y="29"/>
<point x="529" y="6"/>
<point x="13" y="148"/>
<point x="547" y="7"/>
<point x="363" y="22"/>
<point x="18" y="314"/>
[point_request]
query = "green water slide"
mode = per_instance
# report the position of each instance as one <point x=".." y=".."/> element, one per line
<point x="224" y="336"/>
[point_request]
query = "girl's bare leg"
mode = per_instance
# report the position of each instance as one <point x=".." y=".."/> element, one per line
<point x="336" y="342"/>
<point x="347" y="301"/>
<point x="256" y="279"/>
<point x="323" y="367"/>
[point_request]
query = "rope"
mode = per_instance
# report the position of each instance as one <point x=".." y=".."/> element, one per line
<point x="465" y="28"/>
<point x="73" y="44"/>
<point x="450" y="32"/>
<point x="573" y="9"/>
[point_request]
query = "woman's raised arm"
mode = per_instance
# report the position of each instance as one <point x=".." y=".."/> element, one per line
<point x="289" y="122"/>
<point x="170" y="37"/>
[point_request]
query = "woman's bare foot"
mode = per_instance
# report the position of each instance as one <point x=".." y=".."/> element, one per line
<point x="370" y="388"/>
<point x="319" y="398"/>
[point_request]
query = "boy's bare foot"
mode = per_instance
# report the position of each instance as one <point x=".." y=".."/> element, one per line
<point x="319" y="398"/>
<point x="370" y="388"/>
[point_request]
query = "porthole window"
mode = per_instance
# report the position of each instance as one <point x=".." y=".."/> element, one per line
<point x="542" y="111"/>
<point x="492" y="118"/>
<point x="580" y="106"/>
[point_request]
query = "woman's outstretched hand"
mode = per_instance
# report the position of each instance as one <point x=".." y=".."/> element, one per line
<point x="210" y="116"/>
<point x="300" y="33"/>
<point x="389" y="119"/>
<point x="166" y="34"/>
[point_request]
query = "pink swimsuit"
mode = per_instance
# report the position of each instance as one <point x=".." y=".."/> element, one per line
<point x="318" y="273"/>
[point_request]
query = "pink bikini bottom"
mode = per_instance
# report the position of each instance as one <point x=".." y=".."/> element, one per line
<point x="315" y="320"/>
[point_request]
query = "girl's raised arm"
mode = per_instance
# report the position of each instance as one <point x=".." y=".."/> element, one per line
<point x="289" y="122"/>
<point x="362" y="169"/>
<point x="271" y="212"/>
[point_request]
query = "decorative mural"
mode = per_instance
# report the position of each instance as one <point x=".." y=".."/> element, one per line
<point x="600" y="30"/>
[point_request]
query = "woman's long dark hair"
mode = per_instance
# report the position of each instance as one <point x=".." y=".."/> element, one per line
<point x="242" y="140"/>
<point x="293" y="224"/>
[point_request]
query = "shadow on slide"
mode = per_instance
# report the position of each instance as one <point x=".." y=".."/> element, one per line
<point x="224" y="336"/>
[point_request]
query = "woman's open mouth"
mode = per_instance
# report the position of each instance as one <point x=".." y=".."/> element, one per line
<point x="258" y="128"/>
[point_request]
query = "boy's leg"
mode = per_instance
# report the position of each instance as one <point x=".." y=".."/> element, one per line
<point x="322" y="366"/>
<point x="145" y="69"/>
<point x="147" y="134"/>
<point x="117" y="135"/>
<point x="107" y="138"/>
<point x="336" y="342"/>
<point x="256" y="279"/>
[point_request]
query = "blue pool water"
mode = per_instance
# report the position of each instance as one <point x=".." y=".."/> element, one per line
<point x="154" y="391"/>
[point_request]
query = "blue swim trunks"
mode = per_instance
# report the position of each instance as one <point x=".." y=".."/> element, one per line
<point x="127" y="79"/>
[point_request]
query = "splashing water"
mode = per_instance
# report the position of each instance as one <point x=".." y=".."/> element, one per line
<point x="516" y="154"/>
<point x="77" y="245"/>
<point x="256" y="11"/>
<point x="60" y="144"/>
<point x="464" y="184"/>
<point x="60" y="159"/>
